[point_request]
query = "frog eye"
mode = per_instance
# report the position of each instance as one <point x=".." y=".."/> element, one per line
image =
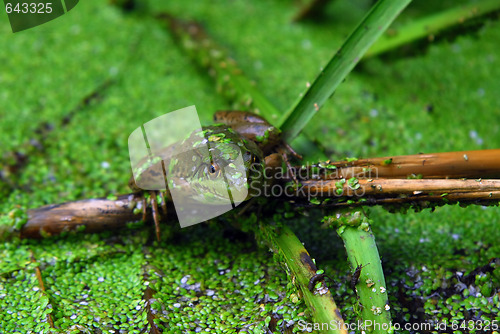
<point x="214" y="170"/>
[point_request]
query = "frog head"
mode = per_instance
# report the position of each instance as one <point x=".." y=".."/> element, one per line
<point x="215" y="165"/>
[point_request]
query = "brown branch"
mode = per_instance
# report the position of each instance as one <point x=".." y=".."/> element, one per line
<point x="465" y="164"/>
<point x="390" y="192"/>
<point x="39" y="277"/>
<point x="379" y="181"/>
<point x="391" y="187"/>
<point x="92" y="215"/>
<point x="148" y="296"/>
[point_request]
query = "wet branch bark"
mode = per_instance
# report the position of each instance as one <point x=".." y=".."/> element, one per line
<point x="442" y="181"/>
<point x="90" y="215"/>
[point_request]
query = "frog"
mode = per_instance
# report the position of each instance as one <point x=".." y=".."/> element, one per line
<point x="197" y="175"/>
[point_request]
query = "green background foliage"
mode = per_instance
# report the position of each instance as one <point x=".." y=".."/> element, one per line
<point x="442" y="98"/>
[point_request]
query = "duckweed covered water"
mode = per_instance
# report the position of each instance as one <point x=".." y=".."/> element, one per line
<point x="440" y="100"/>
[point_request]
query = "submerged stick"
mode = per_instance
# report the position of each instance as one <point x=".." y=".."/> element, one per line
<point x="230" y="80"/>
<point x="39" y="277"/>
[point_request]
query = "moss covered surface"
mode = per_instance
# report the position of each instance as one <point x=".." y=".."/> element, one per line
<point x="442" y="99"/>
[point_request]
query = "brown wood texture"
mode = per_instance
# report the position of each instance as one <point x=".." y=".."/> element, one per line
<point x="389" y="187"/>
<point x="466" y="177"/>
<point x="465" y="164"/>
<point x="92" y="215"/>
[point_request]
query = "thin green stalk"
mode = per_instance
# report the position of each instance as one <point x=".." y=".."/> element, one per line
<point x="367" y="32"/>
<point x="363" y="255"/>
<point x="431" y="25"/>
<point x="301" y="268"/>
